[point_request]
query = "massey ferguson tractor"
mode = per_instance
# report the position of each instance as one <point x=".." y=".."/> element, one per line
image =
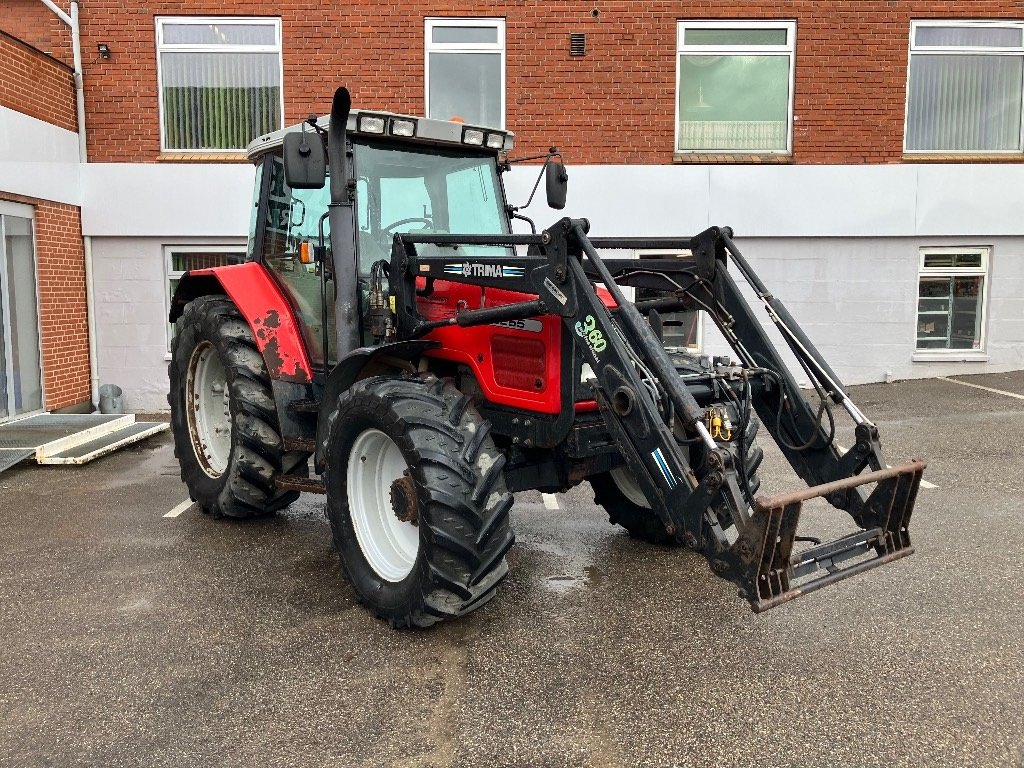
<point x="389" y="342"/>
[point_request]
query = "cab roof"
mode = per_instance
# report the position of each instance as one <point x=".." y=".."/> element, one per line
<point x="425" y="131"/>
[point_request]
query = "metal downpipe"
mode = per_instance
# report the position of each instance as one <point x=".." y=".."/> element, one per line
<point x="72" y="20"/>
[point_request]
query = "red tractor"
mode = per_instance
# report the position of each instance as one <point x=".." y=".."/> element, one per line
<point x="388" y="325"/>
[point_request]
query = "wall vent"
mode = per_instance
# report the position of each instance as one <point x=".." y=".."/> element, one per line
<point x="577" y="44"/>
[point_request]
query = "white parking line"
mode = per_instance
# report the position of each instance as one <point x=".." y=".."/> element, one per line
<point x="978" y="386"/>
<point x="550" y="501"/>
<point x="180" y="508"/>
<point x="924" y="483"/>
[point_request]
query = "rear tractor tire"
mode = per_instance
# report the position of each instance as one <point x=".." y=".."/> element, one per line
<point x="417" y="500"/>
<point x="223" y="416"/>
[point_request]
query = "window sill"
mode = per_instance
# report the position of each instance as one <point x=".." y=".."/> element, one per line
<point x="202" y="157"/>
<point x="961" y="158"/>
<point x="730" y="158"/>
<point x="967" y="356"/>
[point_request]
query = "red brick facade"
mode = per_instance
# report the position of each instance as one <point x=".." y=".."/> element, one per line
<point x="35" y="84"/>
<point x="614" y="105"/>
<point x="60" y="267"/>
<point x="35" y="24"/>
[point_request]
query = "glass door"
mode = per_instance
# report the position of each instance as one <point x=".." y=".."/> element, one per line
<point x="21" y="389"/>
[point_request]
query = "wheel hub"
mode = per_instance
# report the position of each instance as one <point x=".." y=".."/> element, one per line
<point x="403" y="500"/>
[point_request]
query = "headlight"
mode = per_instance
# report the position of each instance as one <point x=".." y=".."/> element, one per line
<point x="371" y="124"/>
<point x="403" y="128"/>
<point x="473" y="136"/>
<point x="495" y="140"/>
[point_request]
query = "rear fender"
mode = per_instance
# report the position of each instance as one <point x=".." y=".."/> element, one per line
<point x="263" y="305"/>
<point x="358" y="364"/>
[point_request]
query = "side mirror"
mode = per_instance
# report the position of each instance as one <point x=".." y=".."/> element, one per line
<point x="557" y="182"/>
<point x="305" y="161"/>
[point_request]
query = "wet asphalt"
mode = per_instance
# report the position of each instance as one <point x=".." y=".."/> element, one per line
<point x="131" y="639"/>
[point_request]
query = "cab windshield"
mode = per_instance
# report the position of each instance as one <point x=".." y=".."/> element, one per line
<point x="430" y="191"/>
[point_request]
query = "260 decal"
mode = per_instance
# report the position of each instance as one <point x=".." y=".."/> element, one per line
<point x="587" y="330"/>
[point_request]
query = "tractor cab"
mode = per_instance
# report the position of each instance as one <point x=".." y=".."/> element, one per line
<point x="401" y="174"/>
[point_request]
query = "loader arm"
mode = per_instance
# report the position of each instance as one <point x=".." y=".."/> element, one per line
<point x="649" y="410"/>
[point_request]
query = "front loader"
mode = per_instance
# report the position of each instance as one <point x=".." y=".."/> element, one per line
<point x="390" y="330"/>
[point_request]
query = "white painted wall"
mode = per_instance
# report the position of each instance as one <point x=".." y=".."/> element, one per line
<point x="131" y="315"/>
<point x="38" y="159"/>
<point x="856" y="298"/>
<point x="166" y="199"/>
<point x="790" y="200"/>
<point x="838" y="244"/>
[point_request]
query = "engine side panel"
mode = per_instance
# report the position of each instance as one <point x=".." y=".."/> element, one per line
<point x="516" y="364"/>
<point x="270" y="316"/>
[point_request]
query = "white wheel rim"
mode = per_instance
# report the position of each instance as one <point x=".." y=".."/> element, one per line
<point x="630" y="488"/>
<point x="208" y="405"/>
<point x="389" y="545"/>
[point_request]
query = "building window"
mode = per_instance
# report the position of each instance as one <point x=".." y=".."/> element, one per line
<point x="465" y="70"/>
<point x="179" y="259"/>
<point x="735" y="86"/>
<point x="964" y="87"/>
<point x="952" y="289"/>
<point x="219" y="82"/>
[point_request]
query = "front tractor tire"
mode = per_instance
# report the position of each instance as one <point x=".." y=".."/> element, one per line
<point x="223" y="417"/>
<point x="417" y="500"/>
<point x="624" y="501"/>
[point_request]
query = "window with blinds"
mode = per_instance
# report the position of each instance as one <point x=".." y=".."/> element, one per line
<point x="965" y="87"/>
<point x="220" y="82"/>
<point x="735" y="86"/>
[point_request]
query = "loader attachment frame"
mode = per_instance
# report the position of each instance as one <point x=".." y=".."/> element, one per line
<point x="649" y="410"/>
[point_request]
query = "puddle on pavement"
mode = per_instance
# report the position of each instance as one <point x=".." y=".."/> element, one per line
<point x="563" y="583"/>
<point x="561" y="569"/>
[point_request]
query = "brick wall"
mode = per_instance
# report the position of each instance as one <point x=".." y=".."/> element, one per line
<point x="615" y="105"/>
<point x="37" y="25"/>
<point x="35" y="84"/>
<point x="60" y="266"/>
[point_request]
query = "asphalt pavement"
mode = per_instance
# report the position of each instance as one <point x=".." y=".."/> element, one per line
<point x="130" y="638"/>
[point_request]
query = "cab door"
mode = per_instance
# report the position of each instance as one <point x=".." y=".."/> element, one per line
<point x="294" y="220"/>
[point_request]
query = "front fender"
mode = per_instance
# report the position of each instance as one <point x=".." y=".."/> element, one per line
<point x="349" y="370"/>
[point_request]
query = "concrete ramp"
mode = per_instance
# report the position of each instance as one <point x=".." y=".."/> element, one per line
<point x="70" y="438"/>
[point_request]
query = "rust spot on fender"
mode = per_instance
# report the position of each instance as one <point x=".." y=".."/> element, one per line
<point x="282" y="366"/>
<point x="272" y="319"/>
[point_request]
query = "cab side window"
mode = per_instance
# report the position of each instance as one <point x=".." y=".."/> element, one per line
<point x="294" y="219"/>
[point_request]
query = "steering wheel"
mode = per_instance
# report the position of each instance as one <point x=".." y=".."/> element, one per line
<point x="400" y="222"/>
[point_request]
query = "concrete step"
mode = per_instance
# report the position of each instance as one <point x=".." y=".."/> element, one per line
<point x="84" y="452"/>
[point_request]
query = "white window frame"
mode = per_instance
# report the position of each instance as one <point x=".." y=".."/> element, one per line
<point x="162" y="47"/>
<point x="788" y="50"/>
<point x="677" y="252"/>
<point x="170" y="274"/>
<point x="984" y="272"/>
<point x="431" y="47"/>
<point x="959" y="50"/>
